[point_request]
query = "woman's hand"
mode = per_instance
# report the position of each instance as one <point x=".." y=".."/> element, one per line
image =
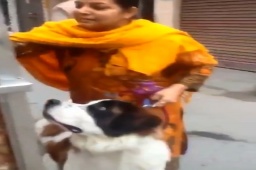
<point x="168" y="95"/>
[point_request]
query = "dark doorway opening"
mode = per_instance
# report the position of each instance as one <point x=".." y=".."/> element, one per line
<point x="147" y="9"/>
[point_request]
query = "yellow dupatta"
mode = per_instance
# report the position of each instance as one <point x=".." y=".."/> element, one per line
<point x="148" y="47"/>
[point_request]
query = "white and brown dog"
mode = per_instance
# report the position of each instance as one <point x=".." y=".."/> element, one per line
<point x="102" y="135"/>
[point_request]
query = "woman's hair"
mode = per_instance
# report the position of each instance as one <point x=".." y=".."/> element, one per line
<point x="126" y="4"/>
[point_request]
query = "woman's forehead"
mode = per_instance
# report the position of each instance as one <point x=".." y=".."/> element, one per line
<point x="99" y="1"/>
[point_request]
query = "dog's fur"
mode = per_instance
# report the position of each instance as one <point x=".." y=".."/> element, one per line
<point x="103" y="134"/>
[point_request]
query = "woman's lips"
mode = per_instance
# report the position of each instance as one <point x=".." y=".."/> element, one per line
<point x="86" y="20"/>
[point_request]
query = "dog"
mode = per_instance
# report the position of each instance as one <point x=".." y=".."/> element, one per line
<point x="102" y="134"/>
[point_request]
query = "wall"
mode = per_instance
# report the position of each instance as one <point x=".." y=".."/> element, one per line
<point x="168" y="12"/>
<point x="48" y="5"/>
<point x="12" y="10"/>
<point x="40" y="93"/>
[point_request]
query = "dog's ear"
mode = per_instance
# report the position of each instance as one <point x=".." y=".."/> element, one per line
<point x="146" y="122"/>
<point x="136" y="122"/>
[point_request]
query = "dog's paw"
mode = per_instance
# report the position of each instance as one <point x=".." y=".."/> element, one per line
<point x="50" y="132"/>
<point x="40" y="125"/>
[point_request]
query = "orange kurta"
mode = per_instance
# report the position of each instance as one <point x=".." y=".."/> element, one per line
<point x="116" y="64"/>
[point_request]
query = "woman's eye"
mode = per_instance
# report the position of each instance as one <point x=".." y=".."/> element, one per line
<point x="99" y="7"/>
<point x="79" y="4"/>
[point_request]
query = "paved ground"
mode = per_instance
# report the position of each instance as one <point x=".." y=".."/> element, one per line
<point x="221" y="121"/>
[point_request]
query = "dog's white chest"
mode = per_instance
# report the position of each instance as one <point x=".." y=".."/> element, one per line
<point x="87" y="161"/>
<point x="149" y="155"/>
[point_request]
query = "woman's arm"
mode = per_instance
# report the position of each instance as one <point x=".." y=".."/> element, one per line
<point x="196" y="78"/>
<point x="197" y="67"/>
<point x="200" y="66"/>
<point x="42" y="63"/>
<point x="29" y="49"/>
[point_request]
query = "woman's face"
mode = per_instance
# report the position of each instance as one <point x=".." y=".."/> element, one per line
<point x="102" y="15"/>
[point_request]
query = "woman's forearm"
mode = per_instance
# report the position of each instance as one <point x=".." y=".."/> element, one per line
<point x="28" y="49"/>
<point x="196" y="78"/>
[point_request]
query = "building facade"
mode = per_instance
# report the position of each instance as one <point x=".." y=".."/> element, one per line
<point x="22" y="15"/>
<point x="226" y="27"/>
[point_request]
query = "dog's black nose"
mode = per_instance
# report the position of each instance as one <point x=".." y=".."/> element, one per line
<point x="52" y="103"/>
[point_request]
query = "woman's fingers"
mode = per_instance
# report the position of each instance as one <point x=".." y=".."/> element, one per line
<point x="160" y="100"/>
<point x="156" y="96"/>
<point x="161" y="103"/>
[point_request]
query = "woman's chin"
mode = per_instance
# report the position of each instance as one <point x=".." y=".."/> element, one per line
<point x="89" y="26"/>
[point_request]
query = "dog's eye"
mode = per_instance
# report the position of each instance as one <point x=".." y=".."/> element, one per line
<point x="102" y="108"/>
<point x="73" y="129"/>
<point x="76" y="130"/>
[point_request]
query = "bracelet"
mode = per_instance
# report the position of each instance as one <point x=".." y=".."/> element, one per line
<point x="25" y="53"/>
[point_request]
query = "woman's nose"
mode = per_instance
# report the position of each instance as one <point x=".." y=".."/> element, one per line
<point x="84" y="10"/>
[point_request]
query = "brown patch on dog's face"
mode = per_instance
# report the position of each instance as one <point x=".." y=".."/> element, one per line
<point x="156" y="133"/>
<point x="157" y="111"/>
<point x="52" y="130"/>
<point x="117" y="111"/>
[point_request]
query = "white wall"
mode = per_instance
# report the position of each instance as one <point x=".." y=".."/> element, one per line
<point x="40" y="93"/>
<point x="168" y="12"/>
<point x="47" y="7"/>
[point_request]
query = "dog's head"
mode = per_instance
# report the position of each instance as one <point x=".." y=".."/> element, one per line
<point x="112" y="118"/>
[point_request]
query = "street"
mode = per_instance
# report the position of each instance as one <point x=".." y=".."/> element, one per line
<point x="221" y="123"/>
<point x="220" y="120"/>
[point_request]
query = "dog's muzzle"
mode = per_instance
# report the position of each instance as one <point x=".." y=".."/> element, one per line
<point x="51" y="104"/>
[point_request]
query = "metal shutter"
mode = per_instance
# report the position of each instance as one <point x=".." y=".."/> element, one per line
<point x="226" y="27"/>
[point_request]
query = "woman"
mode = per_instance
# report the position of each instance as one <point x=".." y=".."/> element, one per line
<point x="105" y="53"/>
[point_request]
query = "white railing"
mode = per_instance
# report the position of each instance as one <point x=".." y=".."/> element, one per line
<point x="15" y="107"/>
